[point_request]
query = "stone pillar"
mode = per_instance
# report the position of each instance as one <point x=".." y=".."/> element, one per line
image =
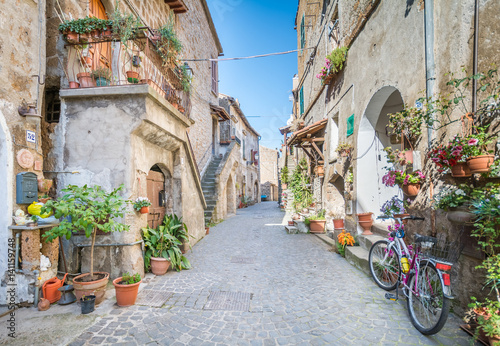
<point x="30" y="250"/>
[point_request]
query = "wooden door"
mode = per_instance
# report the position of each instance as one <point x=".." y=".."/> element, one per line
<point x="156" y="194"/>
<point x="101" y="51"/>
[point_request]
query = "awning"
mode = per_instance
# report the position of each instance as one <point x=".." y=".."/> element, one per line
<point x="306" y="139"/>
<point x="220" y="112"/>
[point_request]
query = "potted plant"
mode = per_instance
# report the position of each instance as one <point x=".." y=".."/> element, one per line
<point x="365" y="220"/>
<point x="316" y="222"/>
<point x="452" y="156"/>
<point x="87" y="303"/>
<point x="102" y="76"/>
<point x="142" y="204"/>
<point x="409" y="182"/>
<point x="456" y="201"/>
<point x="479" y="158"/>
<point x="344" y="149"/>
<point x="85" y="79"/>
<point x="87" y="209"/>
<point x="338" y="220"/>
<point x="163" y="248"/>
<point x="124" y="26"/>
<point x="396" y="207"/>
<point x="334" y="62"/>
<point x="400" y="157"/>
<point x="126" y="288"/>
<point x="169" y="46"/>
<point x="344" y="239"/>
<point x="44" y="198"/>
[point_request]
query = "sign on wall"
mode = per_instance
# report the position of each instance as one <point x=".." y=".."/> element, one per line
<point x="30" y="136"/>
<point x="350" y="125"/>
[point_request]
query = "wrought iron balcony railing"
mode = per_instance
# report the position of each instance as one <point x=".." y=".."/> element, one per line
<point x="106" y="62"/>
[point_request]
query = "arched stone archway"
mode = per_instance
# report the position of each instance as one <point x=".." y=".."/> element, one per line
<point x="230" y="196"/>
<point x="6" y="186"/>
<point x="372" y="139"/>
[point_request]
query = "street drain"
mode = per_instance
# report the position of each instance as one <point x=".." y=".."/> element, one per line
<point x="153" y="298"/>
<point x="242" y="260"/>
<point x="229" y="301"/>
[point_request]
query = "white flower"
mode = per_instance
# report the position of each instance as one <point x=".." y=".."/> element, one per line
<point x="460" y="192"/>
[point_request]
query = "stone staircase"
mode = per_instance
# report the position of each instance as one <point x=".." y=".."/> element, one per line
<point x="208" y="188"/>
<point x="358" y="255"/>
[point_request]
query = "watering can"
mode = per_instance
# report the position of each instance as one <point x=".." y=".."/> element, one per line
<point x="50" y="288"/>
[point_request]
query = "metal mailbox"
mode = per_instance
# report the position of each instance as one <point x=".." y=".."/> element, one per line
<point x="26" y="188"/>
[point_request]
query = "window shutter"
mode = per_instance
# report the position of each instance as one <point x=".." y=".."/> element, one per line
<point x="215" y="86"/>
<point x="301" y="100"/>
<point x="350" y="125"/>
<point x="302" y="33"/>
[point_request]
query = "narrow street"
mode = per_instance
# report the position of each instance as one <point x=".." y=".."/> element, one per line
<point x="287" y="290"/>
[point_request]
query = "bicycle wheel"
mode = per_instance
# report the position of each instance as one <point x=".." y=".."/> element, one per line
<point x="427" y="305"/>
<point x="384" y="265"/>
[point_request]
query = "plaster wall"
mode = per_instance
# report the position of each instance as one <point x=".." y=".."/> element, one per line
<point x="137" y="130"/>
<point x="268" y="160"/>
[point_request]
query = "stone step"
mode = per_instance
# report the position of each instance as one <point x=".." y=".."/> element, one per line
<point x="366" y="241"/>
<point x="358" y="257"/>
<point x="292" y="230"/>
<point x="380" y="228"/>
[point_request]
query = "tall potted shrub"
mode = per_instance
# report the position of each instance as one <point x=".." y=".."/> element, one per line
<point x="87" y="209"/>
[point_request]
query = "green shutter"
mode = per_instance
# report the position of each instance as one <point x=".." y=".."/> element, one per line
<point x="302" y="33"/>
<point x="350" y="125"/>
<point x="301" y="100"/>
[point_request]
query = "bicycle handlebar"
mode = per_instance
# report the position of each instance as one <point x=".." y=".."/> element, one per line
<point x="411" y="217"/>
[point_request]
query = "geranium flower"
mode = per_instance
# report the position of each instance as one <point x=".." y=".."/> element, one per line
<point x="473" y="141"/>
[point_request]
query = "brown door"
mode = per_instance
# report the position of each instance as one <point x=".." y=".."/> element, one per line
<point x="156" y="194"/>
<point x="100" y="52"/>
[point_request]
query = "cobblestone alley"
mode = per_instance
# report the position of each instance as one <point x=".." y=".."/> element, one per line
<point x="253" y="284"/>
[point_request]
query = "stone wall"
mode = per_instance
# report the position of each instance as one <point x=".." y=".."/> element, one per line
<point x="22" y="52"/>
<point x="268" y="160"/>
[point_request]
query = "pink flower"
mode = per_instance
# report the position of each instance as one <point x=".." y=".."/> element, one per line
<point x="472" y="141"/>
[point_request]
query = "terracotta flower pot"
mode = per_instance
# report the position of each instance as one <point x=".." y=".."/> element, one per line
<point x="43" y="304"/>
<point x="338" y="224"/>
<point x="317" y="226"/>
<point x="460" y="215"/>
<point x="44" y="185"/>
<point x="460" y="170"/>
<point x="132" y="77"/>
<point x="411" y="189"/>
<point x="74" y="85"/>
<point x="85" y="80"/>
<point x="366" y="221"/>
<point x="159" y="265"/>
<point x="291" y="223"/>
<point x="125" y="294"/>
<point x="72" y="37"/>
<point x="96" y="288"/>
<point x="207" y="230"/>
<point x="144" y="210"/>
<point x="481" y="163"/>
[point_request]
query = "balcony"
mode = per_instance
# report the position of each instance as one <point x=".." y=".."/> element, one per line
<point x="104" y="62"/>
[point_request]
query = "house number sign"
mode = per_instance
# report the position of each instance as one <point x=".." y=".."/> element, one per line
<point x="30" y="136"/>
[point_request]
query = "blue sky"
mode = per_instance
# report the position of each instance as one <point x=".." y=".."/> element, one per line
<point x="262" y="85"/>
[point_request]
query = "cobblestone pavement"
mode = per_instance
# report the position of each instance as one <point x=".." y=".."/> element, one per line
<point x="300" y="293"/>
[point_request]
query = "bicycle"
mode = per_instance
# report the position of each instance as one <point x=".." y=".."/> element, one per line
<point x="422" y="269"/>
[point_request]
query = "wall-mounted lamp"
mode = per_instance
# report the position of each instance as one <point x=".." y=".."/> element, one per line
<point x="189" y="70"/>
<point x="29" y="111"/>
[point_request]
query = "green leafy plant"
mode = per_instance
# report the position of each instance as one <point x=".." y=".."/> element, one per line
<point x="319" y="216"/>
<point x="407" y="123"/>
<point x="169" y="46"/>
<point x="185" y="78"/>
<point x="344" y="149"/>
<point x="102" y="72"/>
<point x="451" y="196"/>
<point x="84" y="25"/>
<point x="141" y="202"/>
<point x="397" y="156"/>
<point x="477" y="143"/>
<point x="161" y="242"/>
<point x="178" y="228"/>
<point x="285" y="179"/>
<point x="87" y="209"/>
<point x="124" y="25"/>
<point x="486" y="207"/>
<point x="129" y="279"/>
<point x="299" y="184"/>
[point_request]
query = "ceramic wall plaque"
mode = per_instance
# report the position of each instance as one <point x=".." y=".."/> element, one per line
<point x="25" y="158"/>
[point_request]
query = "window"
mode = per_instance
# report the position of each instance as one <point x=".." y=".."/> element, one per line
<point x="301" y="100"/>
<point x="302" y="32"/>
<point x="53" y="108"/>
<point x="215" y="78"/>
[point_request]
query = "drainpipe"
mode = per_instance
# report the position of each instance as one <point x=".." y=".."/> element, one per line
<point x="429" y="56"/>
<point x="474" y="55"/>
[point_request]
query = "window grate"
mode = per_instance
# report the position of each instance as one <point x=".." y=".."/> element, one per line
<point x="53" y="108"/>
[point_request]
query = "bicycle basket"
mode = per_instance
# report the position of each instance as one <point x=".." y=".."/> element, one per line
<point x="439" y="248"/>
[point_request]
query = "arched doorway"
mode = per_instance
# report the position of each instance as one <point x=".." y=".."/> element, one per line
<point x="159" y="189"/>
<point x="230" y="197"/>
<point x="372" y="139"/>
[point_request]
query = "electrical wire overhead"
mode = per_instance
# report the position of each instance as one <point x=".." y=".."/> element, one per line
<point x="250" y="57"/>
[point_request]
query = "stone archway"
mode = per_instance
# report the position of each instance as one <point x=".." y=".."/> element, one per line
<point x="6" y="185"/>
<point x="230" y="196"/>
<point x="371" y="159"/>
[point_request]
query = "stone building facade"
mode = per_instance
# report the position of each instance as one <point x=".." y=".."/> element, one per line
<point x="122" y="133"/>
<point x="237" y="176"/>
<point x="269" y="173"/>
<point x="396" y="51"/>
